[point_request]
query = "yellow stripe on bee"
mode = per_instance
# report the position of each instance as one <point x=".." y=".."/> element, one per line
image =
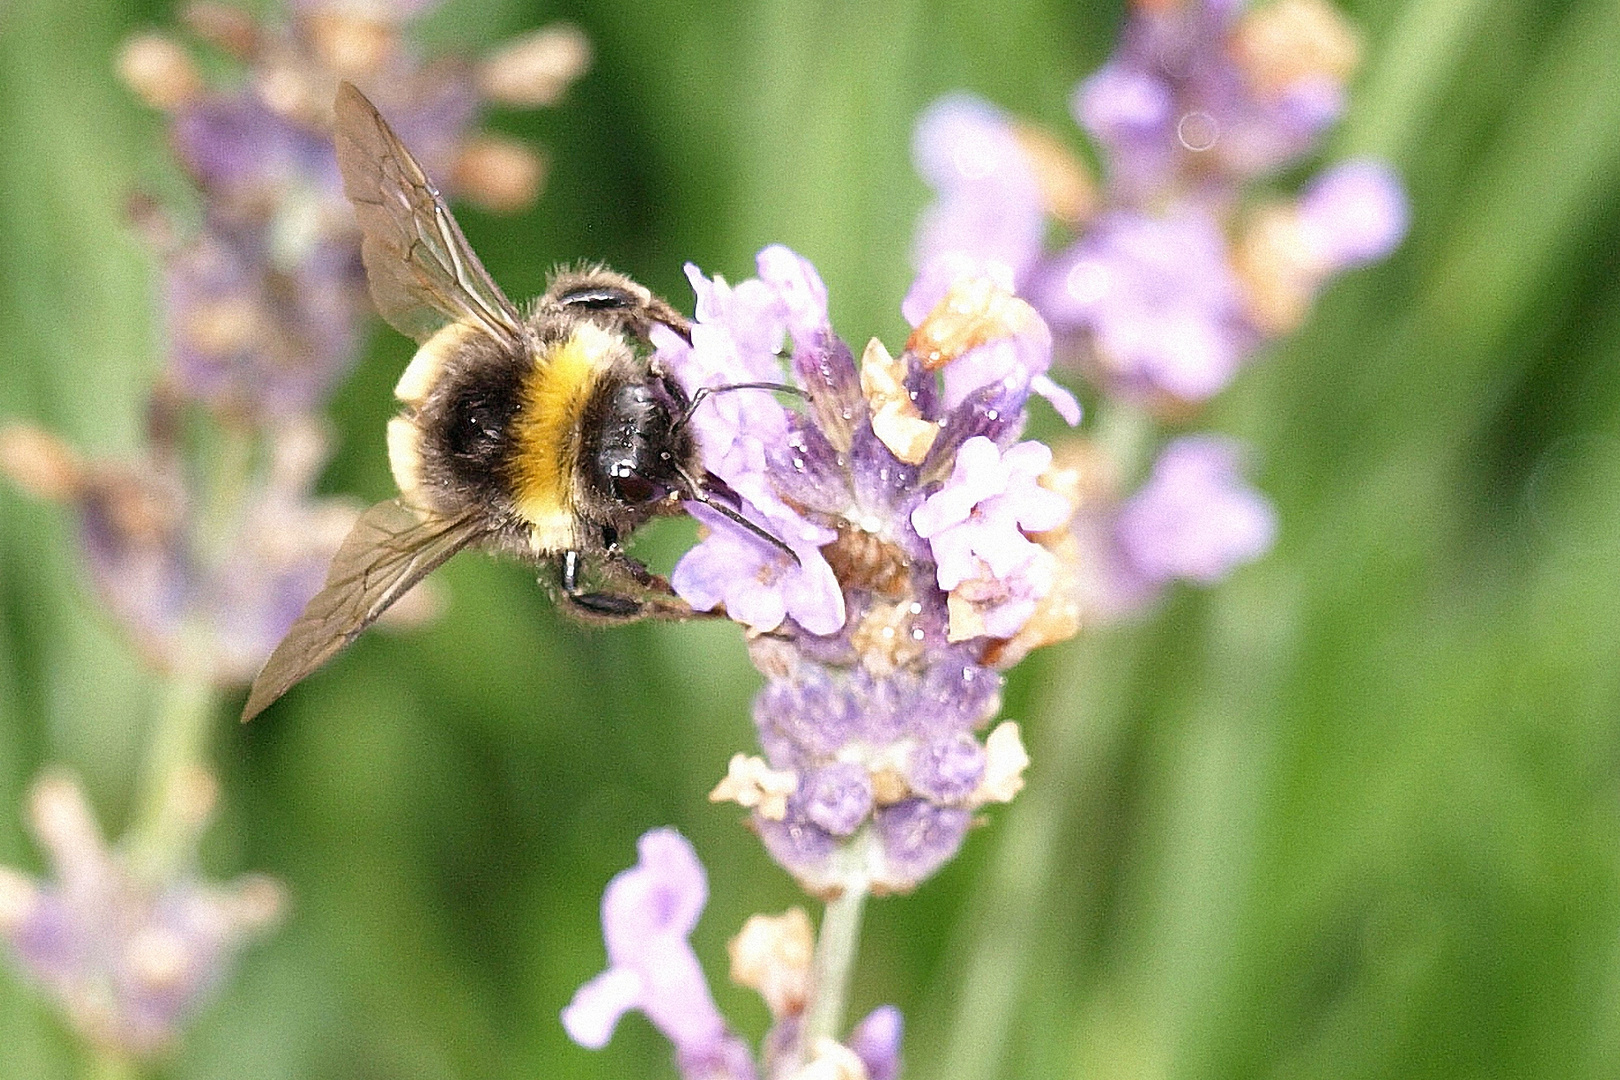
<point x="546" y="434"/>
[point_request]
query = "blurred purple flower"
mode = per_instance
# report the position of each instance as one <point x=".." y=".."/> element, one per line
<point x="128" y="959"/>
<point x="1156" y="300"/>
<point x="876" y="1041"/>
<point x="1352" y="213"/>
<point x="1160" y="296"/>
<point x="989" y="204"/>
<point x="1202" y="96"/>
<point x="648" y="912"/>
<point x="1195" y="518"/>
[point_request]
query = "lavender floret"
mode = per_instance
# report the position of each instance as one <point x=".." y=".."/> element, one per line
<point x="648" y="912"/>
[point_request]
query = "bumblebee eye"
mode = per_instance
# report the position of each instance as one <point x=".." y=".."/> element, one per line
<point x="599" y="298"/>
<point x="635" y="489"/>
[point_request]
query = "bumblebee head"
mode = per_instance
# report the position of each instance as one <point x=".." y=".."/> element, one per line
<point x="644" y="457"/>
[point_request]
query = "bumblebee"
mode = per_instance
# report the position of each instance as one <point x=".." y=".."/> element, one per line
<point x="548" y="434"/>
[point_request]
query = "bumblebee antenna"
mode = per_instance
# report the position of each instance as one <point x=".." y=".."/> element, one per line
<point x="697" y="491"/>
<point x="706" y="391"/>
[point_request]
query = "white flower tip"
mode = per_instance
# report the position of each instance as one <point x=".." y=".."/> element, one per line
<point x="19" y="897"/>
<point x="831" y="1060"/>
<point x="1005" y="760"/>
<point x="772" y="954"/>
<point x="503" y="176"/>
<point x="62" y="818"/>
<point x="39" y="463"/>
<point x="158" y="959"/>
<point x="1066" y="404"/>
<point x="257" y="902"/>
<point x="754" y="785"/>
<point x="535" y="69"/>
<point x="896" y="420"/>
<point x="159" y="70"/>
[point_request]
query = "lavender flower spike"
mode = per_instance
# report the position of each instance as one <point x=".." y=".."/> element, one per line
<point x="647" y="913"/>
<point x="931" y="547"/>
<point x="128" y="960"/>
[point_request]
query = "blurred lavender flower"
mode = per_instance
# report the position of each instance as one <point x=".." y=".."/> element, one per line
<point x="203" y="590"/>
<point x="1171" y="276"/>
<point x="1203" y="95"/>
<point x="127" y="958"/>
<point x="1195" y="518"/>
<point x="647" y="913"/>
<point x="1167" y="285"/>
<point x="926" y="560"/>
<point x="208" y="542"/>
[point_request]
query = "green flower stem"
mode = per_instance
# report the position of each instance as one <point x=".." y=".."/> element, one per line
<point x="167" y="818"/>
<point x="834" y="963"/>
<point x="109" y="1065"/>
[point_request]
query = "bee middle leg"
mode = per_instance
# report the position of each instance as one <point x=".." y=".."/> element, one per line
<point x="633" y="592"/>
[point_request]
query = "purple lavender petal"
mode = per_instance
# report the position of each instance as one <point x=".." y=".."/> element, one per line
<point x="1158" y="300"/>
<point x="936" y="276"/>
<point x="759" y="584"/>
<point x="954" y="695"/>
<point x="808" y="717"/>
<point x="234" y="143"/>
<point x="876" y="1041"/>
<point x="748" y="321"/>
<point x="1355" y="212"/>
<point x="983" y="510"/>
<point x="837" y="798"/>
<point x="917" y="838"/>
<point x="647" y="913"/>
<point x="992" y="412"/>
<point x="799" y="290"/>
<point x="806" y="470"/>
<point x="826" y="369"/>
<point x="730" y="1059"/>
<point x="1195" y="518"/>
<point x="663" y="894"/>
<point x="801" y="847"/>
<point x="593" y="1014"/>
<point x="947" y="769"/>
<point x="989" y="203"/>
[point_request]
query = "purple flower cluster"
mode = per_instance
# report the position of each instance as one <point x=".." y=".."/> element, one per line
<point x="648" y="912"/>
<point x="1168" y="284"/>
<point x="928" y="546"/>
<point x="128" y="959"/>
<point x="1172" y="275"/>
<point x="206" y="554"/>
<point x="924" y="547"/>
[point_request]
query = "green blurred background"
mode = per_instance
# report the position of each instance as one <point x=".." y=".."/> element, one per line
<point x="1354" y="814"/>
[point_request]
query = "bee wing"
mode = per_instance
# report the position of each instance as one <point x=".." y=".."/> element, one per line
<point x="390" y="549"/>
<point x="423" y="272"/>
